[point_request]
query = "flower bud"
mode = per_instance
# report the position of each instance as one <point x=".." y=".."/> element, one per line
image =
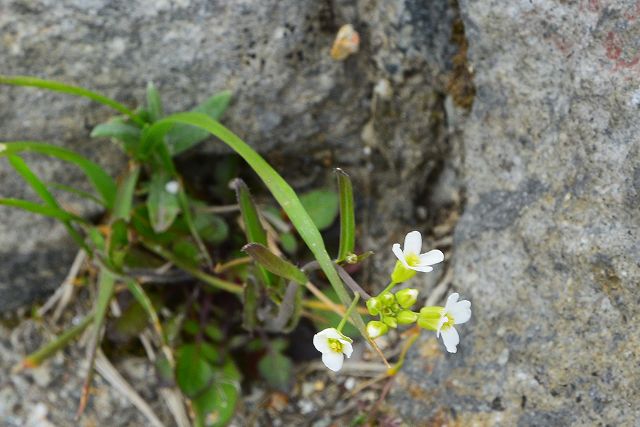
<point x="390" y="321"/>
<point x="407" y="297"/>
<point x="406" y="317"/>
<point x="376" y="329"/>
<point x="401" y="273"/>
<point x="429" y="317"/>
<point x="373" y="306"/>
<point x="387" y="300"/>
<point x="351" y="258"/>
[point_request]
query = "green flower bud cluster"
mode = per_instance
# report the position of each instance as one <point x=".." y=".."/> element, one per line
<point x="393" y="310"/>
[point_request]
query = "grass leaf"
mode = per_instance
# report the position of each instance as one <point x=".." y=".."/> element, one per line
<point x="106" y="285"/>
<point x="43" y="192"/>
<point x="42" y="210"/>
<point x="347" y="215"/>
<point x="281" y="191"/>
<point x="154" y="103"/>
<point x="272" y="262"/>
<point x="253" y="228"/>
<point x="102" y="182"/>
<point x="70" y="90"/>
<point x="124" y="195"/>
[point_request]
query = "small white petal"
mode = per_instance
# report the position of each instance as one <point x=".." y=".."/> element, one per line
<point x="321" y="343"/>
<point x="399" y="254"/>
<point x="432" y="257"/>
<point x="347" y="348"/>
<point x="333" y="360"/>
<point x="451" y="339"/>
<point x="461" y="311"/>
<point x="423" y="269"/>
<point x="412" y="243"/>
<point x="441" y="322"/>
<point x="451" y="301"/>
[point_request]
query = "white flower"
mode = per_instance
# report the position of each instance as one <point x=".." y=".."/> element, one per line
<point x="411" y="257"/>
<point x="333" y="346"/>
<point x="453" y="313"/>
<point x="172" y="187"/>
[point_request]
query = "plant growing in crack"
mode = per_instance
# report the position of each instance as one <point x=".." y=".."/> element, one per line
<point x="158" y="230"/>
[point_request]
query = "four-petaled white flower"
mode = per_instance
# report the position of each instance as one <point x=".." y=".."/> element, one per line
<point x="334" y="346"/>
<point x="453" y="313"/>
<point x="411" y="257"/>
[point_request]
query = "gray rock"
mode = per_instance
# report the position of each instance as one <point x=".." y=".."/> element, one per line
<point x="290" y="97"/>
<point x="547" y="248"/>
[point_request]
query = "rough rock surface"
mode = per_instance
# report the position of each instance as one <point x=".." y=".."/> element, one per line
<point x="48" y="395"/>
<point x="290" y="97"/>
<point x="548" y="246"/>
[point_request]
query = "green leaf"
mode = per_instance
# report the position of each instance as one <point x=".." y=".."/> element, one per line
<point x="77" y="192"/>
<point x="250" y="305"/>
<point x="71" y="90"/>
<point x="277" y="370"/>
<point x="106" y="285"/>
<point x="322" y="206"/>
<point x="272" y="262"/>
<point x="43" y="192"/>
<point x="289" y="243"/>
<point x="212" y="228"/>
<point x="194" y="374"/>
<point x="281" y="191"/>
<point x="163" y="205"/>
<point x="347" y="215"/>
<point x="49" y="349"/>
<point x="124" y="195"/>
<point x="118" y="243"/>
<point x="154" y="103"/>
<point x="42" y="210"/>
<point x="118" y="129"/>
<point x="215" y="407"/>
<point x="102" y="182"/>
<point x="182" y="137"/>
<point x="252" y="226"/>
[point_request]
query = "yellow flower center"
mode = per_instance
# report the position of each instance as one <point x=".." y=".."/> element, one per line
<point x="335" y="345"/>
<point x="413" y="260"/>
<point x="449" y="323"/>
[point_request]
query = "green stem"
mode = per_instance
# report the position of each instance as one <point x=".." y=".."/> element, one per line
<point x="348" y="313"/>
<point x="388" y="288"/>
<point x="37" y="357"/>
<point x="208" y="279"/>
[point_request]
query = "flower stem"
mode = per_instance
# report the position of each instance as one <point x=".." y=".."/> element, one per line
<point x="388" y="288"/>
<point x="348" y="313"/>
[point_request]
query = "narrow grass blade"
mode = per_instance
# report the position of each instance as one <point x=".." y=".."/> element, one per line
<point x="42" y="210"/>
<point x="282" y="192"/>
<point x="106" y="284"/>
<point x="272" y="262"/>
<point x="49" y="349"/>
<point x="43" y="192"/>
<point x="347" y="215"/>
<point x="71" y="90"/>
<point x="76" y="191"/>
<point x="102" y="182"/>
<point x="124" y="195"/>
<point x="252" y="226"/>
<point x="154" y="103"/>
